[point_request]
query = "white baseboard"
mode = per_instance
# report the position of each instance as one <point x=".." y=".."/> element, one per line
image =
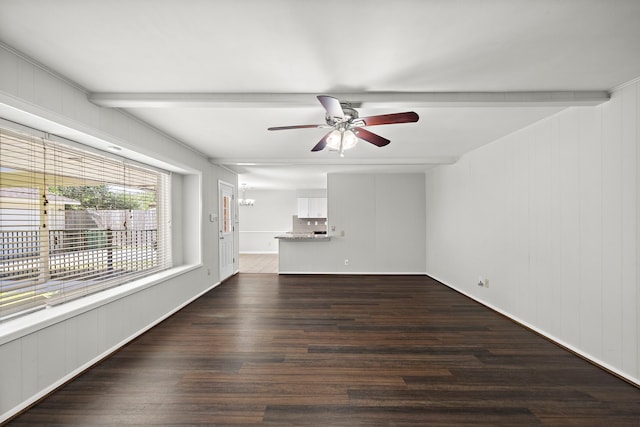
<point x="360" y="273"/>
<point x="581" y="353"/>
<point x="44" y="392"/>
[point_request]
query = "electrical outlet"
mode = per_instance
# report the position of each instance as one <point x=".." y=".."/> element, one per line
<point x="486" y="283"/>
<point x="346" y="262"/>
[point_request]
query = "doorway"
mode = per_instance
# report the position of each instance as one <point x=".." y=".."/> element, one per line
<point x="226" y="229"/>
<point x="258" y="263"/>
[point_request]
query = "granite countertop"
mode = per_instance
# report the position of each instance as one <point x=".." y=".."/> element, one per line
<point x="303" y="236"/>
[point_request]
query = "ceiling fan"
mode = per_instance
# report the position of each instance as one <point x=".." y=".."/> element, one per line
<point x="348" y="126"/>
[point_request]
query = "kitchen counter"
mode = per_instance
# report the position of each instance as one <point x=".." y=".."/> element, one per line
<point x="303" y="237"/>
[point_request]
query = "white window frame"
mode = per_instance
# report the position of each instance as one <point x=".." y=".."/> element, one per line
<point x="44" y="245"/>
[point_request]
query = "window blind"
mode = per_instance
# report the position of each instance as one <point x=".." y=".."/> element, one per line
<point x="73" y="222"/>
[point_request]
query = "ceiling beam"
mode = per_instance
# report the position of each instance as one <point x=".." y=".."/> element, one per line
<point x="433" y="160"/>
<point x="412" y="99"/>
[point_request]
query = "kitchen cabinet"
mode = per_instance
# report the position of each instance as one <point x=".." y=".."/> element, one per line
<point x="312" y="207"/>
<point x="303" y="207"/>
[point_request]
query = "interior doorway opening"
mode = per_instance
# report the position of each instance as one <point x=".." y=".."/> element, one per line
<point x="259" y="263"/>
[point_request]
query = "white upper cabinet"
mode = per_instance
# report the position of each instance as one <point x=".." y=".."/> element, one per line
<point x="303" y="207"/>
<point x="312" y="207"/>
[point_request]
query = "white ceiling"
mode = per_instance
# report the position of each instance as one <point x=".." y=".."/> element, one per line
<point x="216" y="74"/>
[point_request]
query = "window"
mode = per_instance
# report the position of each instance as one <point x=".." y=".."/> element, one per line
<point x="73" y="222"/>
<point x="226" y="213"/>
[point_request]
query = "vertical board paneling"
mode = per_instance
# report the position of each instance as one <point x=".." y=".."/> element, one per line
<point x="29" y="366"/>
<point x="571" y="233"/>
<point x="51" y="354"/>
<point x="393" y="230"/>
<point x="26" y="84"/>
<point x="540" y="214"/>
<point x="611" y="232"/>
<point x="637" y="262"/>
<point x="500" y="227"/>
<point x="509" y="288"/>
<point x="590" y="231"/>
<point x="569" y="281"/>
<point x="527" y="302"/>
<point x="11" y="383"/>
<point x="69" y="100"/>
<point x="110" y="327"/>
<point x="555" y="251"/>
<point x="8" y="72"/>
<point x="48" y="91"/>
<point x="71" y="345"/>
<point x="86" y="328"/>
<point x="353" y="193"/>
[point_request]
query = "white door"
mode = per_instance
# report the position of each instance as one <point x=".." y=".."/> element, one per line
<point x="226" y="229"/>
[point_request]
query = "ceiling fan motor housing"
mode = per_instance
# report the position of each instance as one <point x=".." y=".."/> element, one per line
<point x="349" y="115"/>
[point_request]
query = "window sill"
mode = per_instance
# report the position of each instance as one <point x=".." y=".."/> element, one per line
<point x="30" y="323"/>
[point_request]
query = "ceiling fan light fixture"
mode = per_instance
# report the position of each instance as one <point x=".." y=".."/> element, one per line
<point x="333" y="140"/>
<point x="342" y="140"/>
<point x="349" y="140"/>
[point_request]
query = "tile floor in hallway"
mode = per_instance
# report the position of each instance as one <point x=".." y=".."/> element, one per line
<point x="258" y="263"/>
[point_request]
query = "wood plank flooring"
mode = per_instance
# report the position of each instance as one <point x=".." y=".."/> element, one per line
<point x="269" y="350"/>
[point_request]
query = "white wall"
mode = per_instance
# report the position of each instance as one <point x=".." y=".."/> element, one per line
<point x="550" y="216"/>
<point x="382" y="216"/>
<point x="269" y="217"/>
<point x="39" y="352"/>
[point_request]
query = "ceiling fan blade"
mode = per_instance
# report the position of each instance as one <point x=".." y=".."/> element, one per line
<point x="387" y="119"/>
<point x="297" y="127"/>
<point x="323" y="143"/>
<point x="332" y="105"/>
<point x="371" y="137"/>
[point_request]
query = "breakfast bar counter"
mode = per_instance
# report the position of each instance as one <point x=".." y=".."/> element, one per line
<point x="298" y="253"/>
<point x="303" y="237"/>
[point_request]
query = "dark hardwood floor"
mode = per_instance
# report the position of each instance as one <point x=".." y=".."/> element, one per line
<point x="263" y="349"/>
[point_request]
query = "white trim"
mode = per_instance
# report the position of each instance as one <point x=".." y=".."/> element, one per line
<point x="107" y="154"/>
<point x="545" y="334"/>
<point x="17" y="127"/>
<point x="261" y="231"/>
<point x="361" y="273"/>
<point x="382" y="161"/>
<point x="42" y="121"/>
<point x="24" y="325"/>
<point x="44" y="392"/>
<point x="43" y="67"/>
<point x="259" y="253"/>
<point x="625" y="84"/>
<point x="564" y="98"/>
